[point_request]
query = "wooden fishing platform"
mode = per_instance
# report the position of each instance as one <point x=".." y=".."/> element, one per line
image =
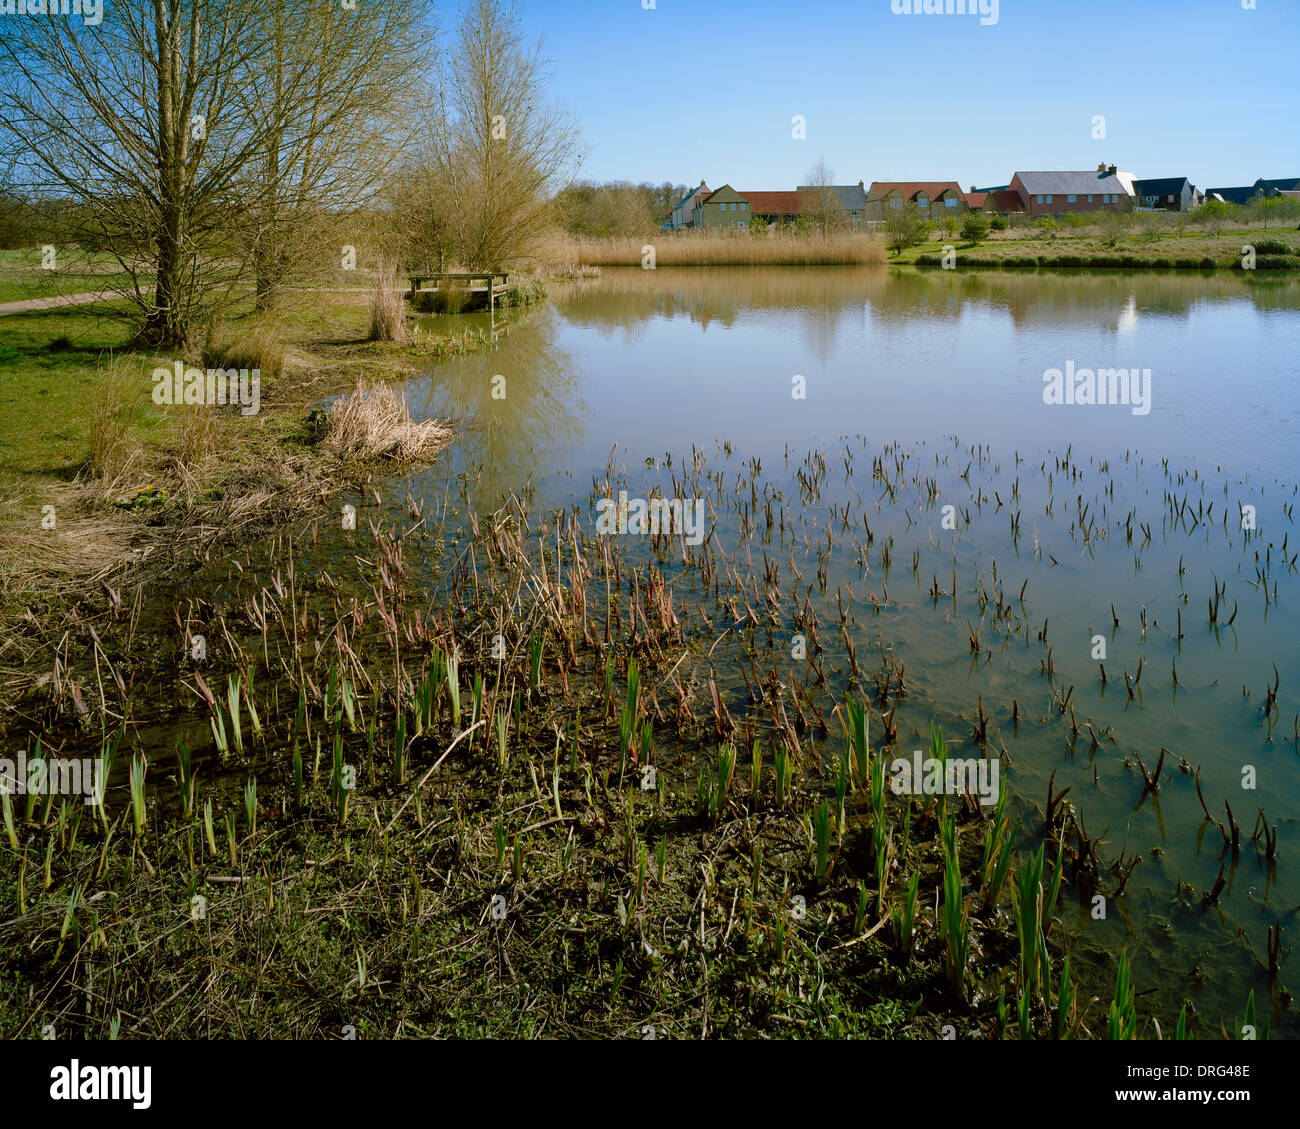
<point x="490" y="283"/>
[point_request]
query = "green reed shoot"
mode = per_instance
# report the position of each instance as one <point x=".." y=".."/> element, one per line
<point x="185" y="772"/>
<point x="7" y="804"/>
<point x="476" y="704"/>
<point x="535" y="661"/>
<point x="755" y="773"/>
<point x="297" y="774"/>
<point x="1064" y="1004"/>
<point x="502" y="717"/>
<point x="453" y="689"/>
<point x="822" y="824"/>
<point x="1024" y="1005"/>
<point x="232" y="697"/>
<point x="137" y="794"/>
<point x="349" y="705"/>
<point x="999" y="847"/>
<point x="860" y="914"/>
<point x="627" y="719"/>
<point x="842" y="788"/>
<point x="254" y="720"/>
<point x="726" y="770"/>
<point x="884" y="858"/>
<point x="1180" y="1030"/>
<point x="661" y="855"/>
<point x="499" y="836"/>
<point x="208" y="830"/>
<point x="250" y="804"/>
<point x="903" y="915"/>
<point x="218" y="724"/>
<point x="1027" y="895"/>
<point x="231" y="841"/>
<point x="1121" y="1017"/>
<point x="756" y="867"/>
<point x="859" y="721"/>
<point x="956" y="928"/>
<point x="36" y="769"/>
<point x="783" y="771"/>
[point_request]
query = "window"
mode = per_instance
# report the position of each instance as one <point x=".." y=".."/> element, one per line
<point x="1038" y="200"/>
<point x="740" y="223"/>
<point x="922" y="201"/>
<point x="951" y="202"/>
<point x="1089" y="197"/>
<point x="896" y="202"/>
<point x="742" y="207"/>
<point x="1105" y="197"/>
<point x="1070" y="199"/>
<point x="1048" y="198"/>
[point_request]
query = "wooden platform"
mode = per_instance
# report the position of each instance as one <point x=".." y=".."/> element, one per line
<point x="490" y="283"/>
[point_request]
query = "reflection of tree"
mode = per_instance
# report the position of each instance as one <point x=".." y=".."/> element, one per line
<point x="508" y="438"/>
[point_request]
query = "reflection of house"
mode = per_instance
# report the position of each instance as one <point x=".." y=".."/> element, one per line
<point x="852" y="199"/>
<point x="934" y="199"/>
<point x="1166" y="194"/>
<point x="1059" y="193"/>
<point x="683" y="210"/>
<point x="724" y="207"/>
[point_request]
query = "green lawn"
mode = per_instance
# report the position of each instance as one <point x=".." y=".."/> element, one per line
<point x="22" y="276"/>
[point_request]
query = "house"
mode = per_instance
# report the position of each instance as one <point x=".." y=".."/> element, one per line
<point x="1060" y="193"/>
<point x="724" y="207"/>
<point x="852" y="199"/>
<point x="682" y="212"/>
<point x="776" y="207"/>
<point x="934" y="199"/>
<point x="1166" y="194"/>
<point x="1273" y="187"/>
<point x="1239" y="195"/>
<point x="995" y="201"/>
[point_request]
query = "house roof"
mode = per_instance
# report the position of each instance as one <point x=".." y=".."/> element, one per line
<point x="1160" y="186"/>
<point x="994" y="188"/>
<point x="776" y="203"/>
<point x="1239" y="195"/>
<point x="1284" y="184"/>
<point x="1065" y="183"/>
<point x="910" y="189"/>
<point x="976" y="199"/>
<point x="850" y="196"/>
<point x="688" y="195"/>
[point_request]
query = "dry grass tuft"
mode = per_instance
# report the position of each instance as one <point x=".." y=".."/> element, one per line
<point x="388" y="307"/>
<point x="109" y="414"/>
<point x="374" y="421"/>
<point x="255" y="345"/>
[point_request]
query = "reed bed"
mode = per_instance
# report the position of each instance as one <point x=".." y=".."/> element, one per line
<point x="722" y="249"/>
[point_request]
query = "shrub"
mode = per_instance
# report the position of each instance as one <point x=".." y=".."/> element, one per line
<point x="974" y="227"/>
<point x="1076" y="220"/>
<point x="1048" y="223"/>
<point x="1272" y="247"/>
<point x="999" y="223"/>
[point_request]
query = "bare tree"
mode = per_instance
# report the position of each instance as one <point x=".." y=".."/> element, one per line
<point x="821" y="203"/>
<point x="336" y="110"/>
<point x="480" y="187"/>
<point x="137" y="121"/>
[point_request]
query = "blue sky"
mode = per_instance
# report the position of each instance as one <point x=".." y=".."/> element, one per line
<point x="706" y="89"/>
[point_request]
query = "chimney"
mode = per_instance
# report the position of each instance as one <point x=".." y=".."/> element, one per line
<point x="973" y="188"/>
<point x="1101" y="167"/>
<point x="703" y="185"/>
<point x="1113" y="170"/>
<point x="861" y="184"/>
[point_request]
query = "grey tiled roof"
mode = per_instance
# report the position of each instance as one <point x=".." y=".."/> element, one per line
<point x="1063" y="183"/>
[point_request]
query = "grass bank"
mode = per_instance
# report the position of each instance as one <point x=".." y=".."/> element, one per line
<point x="96" y="478"/>
<point x="1189" y="251"/>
